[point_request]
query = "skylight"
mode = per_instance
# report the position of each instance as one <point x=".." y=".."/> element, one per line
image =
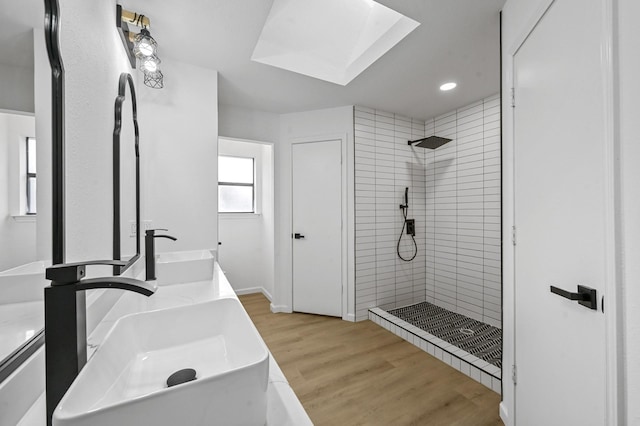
<point x="332" y="40"/>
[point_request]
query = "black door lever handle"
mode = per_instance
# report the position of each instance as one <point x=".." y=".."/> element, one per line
<point x="585" y="296"/>
<point x="298" y="236"/>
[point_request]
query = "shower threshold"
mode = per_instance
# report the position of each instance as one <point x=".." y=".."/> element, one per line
<point x="471" y="347"/>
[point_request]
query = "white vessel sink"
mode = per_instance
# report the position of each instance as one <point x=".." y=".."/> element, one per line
<point x="124" y="383"/>
<point x="184" y="266"/>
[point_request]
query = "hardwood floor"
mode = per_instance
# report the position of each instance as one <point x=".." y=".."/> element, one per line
<point x="360" y="374"/>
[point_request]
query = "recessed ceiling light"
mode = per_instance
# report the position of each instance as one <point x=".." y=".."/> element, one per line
<point x="448" y="86"/>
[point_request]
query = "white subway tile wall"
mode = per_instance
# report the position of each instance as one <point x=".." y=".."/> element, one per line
<point x="454" y="196"/>
<point x="384" y="166"/>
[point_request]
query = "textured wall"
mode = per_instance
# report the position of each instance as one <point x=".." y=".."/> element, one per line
<point x="179" y="155"/>
<point x="93" y="57"/>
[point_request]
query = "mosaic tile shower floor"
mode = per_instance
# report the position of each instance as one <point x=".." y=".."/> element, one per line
<point x="475" y="337"/>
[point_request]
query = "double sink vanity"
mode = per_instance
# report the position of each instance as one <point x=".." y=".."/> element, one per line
<point x="192" y="334"/>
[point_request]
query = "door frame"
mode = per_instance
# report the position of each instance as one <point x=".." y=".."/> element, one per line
<point x="250" y="216"/>
<point x="613" y="319"/>
<point x="344" y="244"/>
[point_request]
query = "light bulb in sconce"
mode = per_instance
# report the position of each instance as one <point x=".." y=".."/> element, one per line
<point x="144" y="45"/>
<point x="142" y="49"/>
<point x="149" y="64"/>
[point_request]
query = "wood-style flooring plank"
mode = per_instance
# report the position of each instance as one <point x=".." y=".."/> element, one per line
<point x="360" y="374"/>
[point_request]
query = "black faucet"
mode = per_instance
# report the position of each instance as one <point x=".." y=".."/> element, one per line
<point x="66" y="324"/>
<point x="150" y="251"/>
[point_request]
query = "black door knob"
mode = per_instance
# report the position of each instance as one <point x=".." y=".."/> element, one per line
<point x="298" y="236"/>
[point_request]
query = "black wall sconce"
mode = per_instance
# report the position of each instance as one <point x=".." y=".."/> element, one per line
<point x="140" y="46"/>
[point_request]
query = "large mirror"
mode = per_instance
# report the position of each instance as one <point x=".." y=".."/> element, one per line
<point x="126" y="175"/>
<point x="25" y="186"/>
<point x="32" y="184"/>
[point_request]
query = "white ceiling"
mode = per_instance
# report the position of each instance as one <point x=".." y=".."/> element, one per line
<point x="457" y="40"/>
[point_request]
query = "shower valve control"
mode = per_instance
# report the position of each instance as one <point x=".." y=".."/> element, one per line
<point x="411" y="227"/>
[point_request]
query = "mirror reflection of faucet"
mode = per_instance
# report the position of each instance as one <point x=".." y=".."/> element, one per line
<point x="150" y="251"/>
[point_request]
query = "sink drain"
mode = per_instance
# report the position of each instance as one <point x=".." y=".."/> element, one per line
<point x="181" y="376"/>
<point x="467" y="331"/>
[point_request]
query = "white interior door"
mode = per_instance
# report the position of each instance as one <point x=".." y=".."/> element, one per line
<point x="560" y="216"/>
<point x="317" y="221"/>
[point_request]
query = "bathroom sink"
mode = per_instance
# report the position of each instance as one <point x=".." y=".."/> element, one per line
<point x="184" y="266"/>
<point x="125" y="382"/>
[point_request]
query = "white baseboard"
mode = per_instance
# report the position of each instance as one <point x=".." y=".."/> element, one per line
<point x="267" y="294"/>
<point x="281" y="308"/>
<point x="349" y="317"/>
<point x="254" y="290"/>
<point x="503" y="414"/>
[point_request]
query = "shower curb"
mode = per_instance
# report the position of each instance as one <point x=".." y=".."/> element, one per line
<point x="470" y="365"/>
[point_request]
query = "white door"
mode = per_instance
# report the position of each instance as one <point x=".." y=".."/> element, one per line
<point x="317" y="218"/>
<point x="560" y="204"/>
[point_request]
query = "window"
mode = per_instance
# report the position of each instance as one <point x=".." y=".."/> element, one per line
<point x="236" y="185"/>
<point x="31" y="176"/>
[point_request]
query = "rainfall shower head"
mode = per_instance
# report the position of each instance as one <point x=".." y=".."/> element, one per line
<point x="431" y="142"/>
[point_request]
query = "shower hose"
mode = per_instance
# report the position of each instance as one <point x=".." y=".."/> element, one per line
<point x="404" y="225"/>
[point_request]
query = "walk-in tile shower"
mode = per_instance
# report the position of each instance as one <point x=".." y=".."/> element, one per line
<point x="454" y="193"/>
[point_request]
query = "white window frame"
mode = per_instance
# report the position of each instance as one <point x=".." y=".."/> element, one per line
<point x="27" y="176"/>
<point x="254" y="186"/>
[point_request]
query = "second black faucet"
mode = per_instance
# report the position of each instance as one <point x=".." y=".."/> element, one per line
<point x="150" y="251"/>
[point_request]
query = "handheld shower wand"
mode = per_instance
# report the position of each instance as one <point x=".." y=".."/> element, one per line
<point x="410" y="225"/>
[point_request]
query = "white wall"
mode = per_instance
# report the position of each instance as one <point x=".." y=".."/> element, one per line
<point x="454" y="198"/>
<point x="629" y="93"/>
<point x="384" y="166"/>
<point x="18" y="234"/>
<point x="331" y="122"/>
<point x="93" y="57"/>
<point x="242" y="123"/>
<point x="179" y="156"/>
<point x="282" y="130"/>
<point x="25" y="239"/>
<point x="42" y="95"/>
<point x="251" y="125"/>
<point x="178" y="139"/>
<point x="16" y="86"/>
<point x="463" y="212"/>
<point x="247" y="251"/>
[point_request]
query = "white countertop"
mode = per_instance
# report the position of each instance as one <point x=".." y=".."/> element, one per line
<point x="283" y="407"/>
